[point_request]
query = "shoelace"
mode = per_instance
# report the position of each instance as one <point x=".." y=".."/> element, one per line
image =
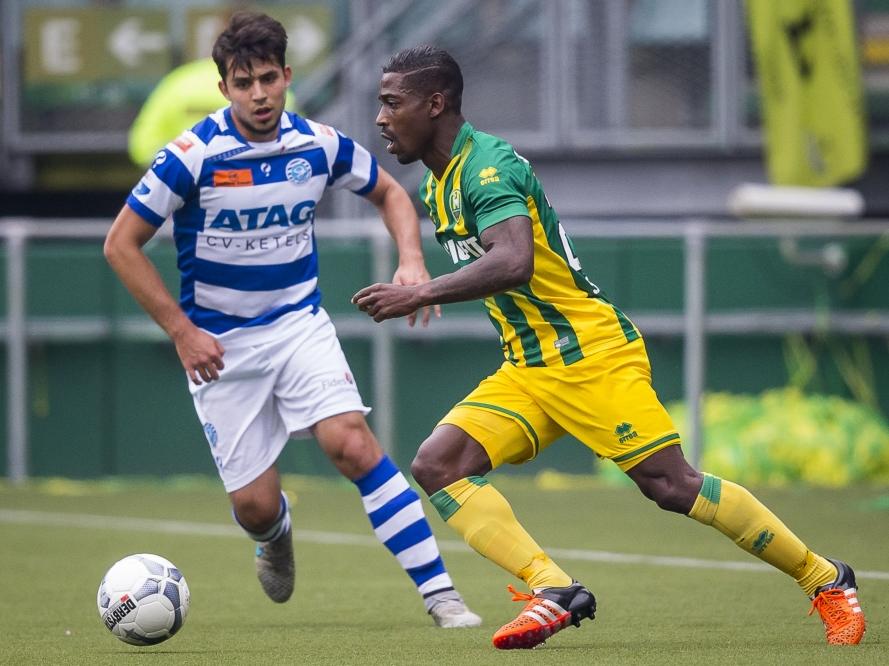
<point x="832" y="603"/>
<point x="519" y="596"/>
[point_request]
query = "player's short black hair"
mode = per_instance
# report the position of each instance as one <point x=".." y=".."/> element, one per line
<point x="427" y="70"/>
<point x="249" y="36"/>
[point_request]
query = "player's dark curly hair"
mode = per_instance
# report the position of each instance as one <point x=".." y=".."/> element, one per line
<point x="428" y="70"/>
<point x="249" y="36"/>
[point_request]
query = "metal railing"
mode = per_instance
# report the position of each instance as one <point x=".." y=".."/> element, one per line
<point x="692" y="323"/>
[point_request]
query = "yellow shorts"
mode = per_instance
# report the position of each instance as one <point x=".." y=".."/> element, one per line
<point x="605" y="400"/>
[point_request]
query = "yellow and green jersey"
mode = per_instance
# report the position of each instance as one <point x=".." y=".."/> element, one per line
<point x="560" y="316"/>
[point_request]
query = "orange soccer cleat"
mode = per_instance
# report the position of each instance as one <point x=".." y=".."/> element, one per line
<point x="548" y="611"/>
<point x="837" y="604"/>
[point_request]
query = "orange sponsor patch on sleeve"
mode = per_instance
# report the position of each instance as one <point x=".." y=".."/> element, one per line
<point x="232" y="178"/>
<point x="183" y="143"/>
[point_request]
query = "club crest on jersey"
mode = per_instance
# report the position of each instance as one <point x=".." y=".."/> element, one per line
<point x="456" y="203"/>
<point x="298" y="171"/>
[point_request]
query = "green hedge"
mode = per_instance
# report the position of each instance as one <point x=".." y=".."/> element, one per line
<point x="783" y="436"/>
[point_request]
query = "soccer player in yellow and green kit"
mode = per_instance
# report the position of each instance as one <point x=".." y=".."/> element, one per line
<point x="574" y="364"/>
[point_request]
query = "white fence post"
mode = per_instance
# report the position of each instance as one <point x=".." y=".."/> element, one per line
<point x="694" y="358"/>
<point x="383" y="352"/>
<point x="16" y="354"/>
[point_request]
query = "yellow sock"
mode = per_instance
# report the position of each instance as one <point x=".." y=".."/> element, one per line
<point x="735" y="512"/>
<point x="483" y="517"/>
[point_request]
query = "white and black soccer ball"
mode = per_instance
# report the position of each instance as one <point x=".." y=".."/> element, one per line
<point x="143" y="599"/>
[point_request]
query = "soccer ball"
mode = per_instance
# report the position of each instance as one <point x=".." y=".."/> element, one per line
<point x="143" y="599"/>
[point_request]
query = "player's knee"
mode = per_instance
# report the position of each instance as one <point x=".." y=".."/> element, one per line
<point x="671" y="499"/>
<point x="667" y="479"/>
<point x="257" y="514"/>
<point x="429" y="470"/>
<point x="447" y="456"/>
<point x="671" y="493"/>
<point x="422" y="471"/>
<point x="355" y="451"/>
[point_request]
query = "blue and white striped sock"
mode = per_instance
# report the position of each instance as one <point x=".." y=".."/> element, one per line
<point x="279" y="527"/>
<point x="397" y="517"/>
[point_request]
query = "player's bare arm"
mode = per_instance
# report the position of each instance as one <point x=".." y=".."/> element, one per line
<point x="398" y="214"/>
<point x="508" y="262"/>
<point x="199" y="352"/>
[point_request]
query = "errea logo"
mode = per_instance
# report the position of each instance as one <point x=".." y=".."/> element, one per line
<point x="625" y="432"/>
<point x="488" y="175"/>
<point x="764" y="539"/>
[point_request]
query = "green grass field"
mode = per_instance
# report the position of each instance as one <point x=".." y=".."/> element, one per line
<point x="353" y="605"/>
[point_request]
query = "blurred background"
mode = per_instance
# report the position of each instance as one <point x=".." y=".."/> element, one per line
<point x="769" y="337"/>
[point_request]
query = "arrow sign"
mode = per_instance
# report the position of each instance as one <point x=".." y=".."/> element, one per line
<point x="128" y="42"/>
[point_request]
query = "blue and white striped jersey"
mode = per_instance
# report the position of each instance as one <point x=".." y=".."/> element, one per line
<point x="243" y="214"/>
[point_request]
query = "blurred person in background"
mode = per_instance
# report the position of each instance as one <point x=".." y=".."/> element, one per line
<point x="262" y="355"/>
<point x="574" y="364"/>
<point x="181" y="99"/>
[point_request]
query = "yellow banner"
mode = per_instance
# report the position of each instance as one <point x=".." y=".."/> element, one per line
<point x="810" y="85"/>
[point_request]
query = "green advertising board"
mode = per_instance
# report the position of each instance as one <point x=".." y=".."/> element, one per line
<point x="92" y="44"/>
<point x="89" y="69"/>
<point x="309" y="32"/>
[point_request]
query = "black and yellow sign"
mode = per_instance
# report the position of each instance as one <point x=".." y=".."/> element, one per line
<point x="810" y="83"/>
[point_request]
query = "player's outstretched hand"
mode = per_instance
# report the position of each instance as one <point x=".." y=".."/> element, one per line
<point x="200" y="354"/>
<point x="411" y="275"/>
<point x="387" y="301"/>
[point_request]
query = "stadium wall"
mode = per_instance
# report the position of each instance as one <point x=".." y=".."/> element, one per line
<point x="120" y="406"/>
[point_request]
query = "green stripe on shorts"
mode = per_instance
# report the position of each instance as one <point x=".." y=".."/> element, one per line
<point x="642" y="449"/>
<point x="518" y="417"/>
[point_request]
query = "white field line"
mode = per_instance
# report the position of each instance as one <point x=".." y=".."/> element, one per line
<point x="93" y="521"/>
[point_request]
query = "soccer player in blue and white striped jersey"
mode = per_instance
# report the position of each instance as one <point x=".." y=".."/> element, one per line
<point x="262" y="355"/>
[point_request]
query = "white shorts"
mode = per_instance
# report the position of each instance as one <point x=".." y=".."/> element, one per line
<point x="279" y="380"/>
